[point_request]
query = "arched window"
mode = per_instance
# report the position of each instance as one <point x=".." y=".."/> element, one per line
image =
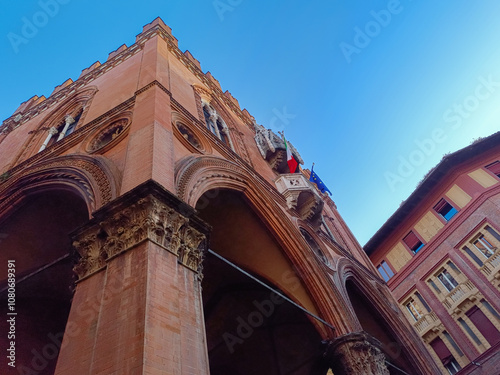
<point x="65" y="128"/>
<point x="216" y="124"/>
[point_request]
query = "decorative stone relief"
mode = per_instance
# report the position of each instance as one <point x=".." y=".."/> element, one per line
<point x="109" y="137"/>
<point x="355" y="354"/>
<point x="124" y="227"/>
<point x="272" y="148"/>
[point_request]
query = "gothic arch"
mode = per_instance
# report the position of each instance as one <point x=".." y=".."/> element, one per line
<point x="197" y="175"/>
<point x="93" y="178"/>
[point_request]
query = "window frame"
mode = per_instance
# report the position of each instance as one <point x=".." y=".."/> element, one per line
<point x="414" y="249"/>
<point x="444" y="203"/>
<point x="448" y="277"/>
<point x="382" y="265"/>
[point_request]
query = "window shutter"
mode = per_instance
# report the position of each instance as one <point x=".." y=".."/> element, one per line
<point x="411" y="240"/>
<point x="438" y="207"/>
<point x="441" y="350"/>
<point x="494" y="167"/>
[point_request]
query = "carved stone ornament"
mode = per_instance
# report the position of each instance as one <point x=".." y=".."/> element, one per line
<point x="355" y="354"/>
<point x="123" y="226"/>
<point x="109" y="137"/>
<point x="300" y="195"/>
<point x="272" y="148"/>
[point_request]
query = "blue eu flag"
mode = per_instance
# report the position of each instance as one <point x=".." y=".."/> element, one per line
<point x="315" y="179"/>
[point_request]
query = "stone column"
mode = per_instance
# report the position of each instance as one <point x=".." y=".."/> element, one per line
<point x="52" y="132"/>
<point x="356" y="354"/>
<point x="68" y="121"/>
<point x="137" y="306"/>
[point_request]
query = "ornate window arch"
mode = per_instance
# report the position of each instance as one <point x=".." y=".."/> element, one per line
<point x="216" y="124"/>
<point x="65" y="128"/>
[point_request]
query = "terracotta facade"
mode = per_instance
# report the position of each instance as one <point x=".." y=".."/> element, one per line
<point x="440" y="255"/>
<point x="127" y="199"/>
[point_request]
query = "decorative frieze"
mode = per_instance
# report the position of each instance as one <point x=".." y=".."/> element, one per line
<point x="141" y="215"/>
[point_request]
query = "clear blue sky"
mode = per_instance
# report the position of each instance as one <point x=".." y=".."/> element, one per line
<point x="355" y="85"/>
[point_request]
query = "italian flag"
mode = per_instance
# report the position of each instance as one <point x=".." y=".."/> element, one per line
<point x="292" y="163"/>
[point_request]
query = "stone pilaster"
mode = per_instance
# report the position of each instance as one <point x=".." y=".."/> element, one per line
<point x="356" y="354"/>
<point x="137" y="306"/>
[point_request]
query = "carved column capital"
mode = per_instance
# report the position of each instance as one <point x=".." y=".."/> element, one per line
<point x="69" y="120"/>
<point x="147" y="213"/>
<point x="53" y="131"/>
<point x="356" y="353"/>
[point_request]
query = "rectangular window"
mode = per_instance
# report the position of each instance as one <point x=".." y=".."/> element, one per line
<point x="385" y="271"/>
<point x="493" y="232"/>
<point x="494" y="168"/>
<point x="484" y="246"/>
<point x="453" y="343"/>
<point x="412" y="241"/>
<point x="433" y="284"/>
<point x="469" y="331"/>
<point x="447" y="280"/>
<point x="414" y="308"/>
<point x="484" y="325"/>
<point x="446" y="210"/>
<point x="490" y="309"/>
<point x="422" y="301"/>
<point x="444" y="354"/>
<point x="473" y="256"/>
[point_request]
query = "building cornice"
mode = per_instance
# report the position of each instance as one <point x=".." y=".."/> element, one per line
<point x="434" y="178"/>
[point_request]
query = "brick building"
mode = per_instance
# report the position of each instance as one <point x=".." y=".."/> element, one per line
<point x="440" y="255"/>
<point x="157" y="229"/>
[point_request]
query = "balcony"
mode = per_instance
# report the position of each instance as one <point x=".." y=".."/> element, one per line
<point x="300" y="195"/>
<point x="491" y="268"/>
<point x="426" y="323"/>
<point x="464" y="291"/>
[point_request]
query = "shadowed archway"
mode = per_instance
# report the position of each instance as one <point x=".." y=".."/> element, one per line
<point x="250" y="330"/>
<point x="35" y="235"/>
